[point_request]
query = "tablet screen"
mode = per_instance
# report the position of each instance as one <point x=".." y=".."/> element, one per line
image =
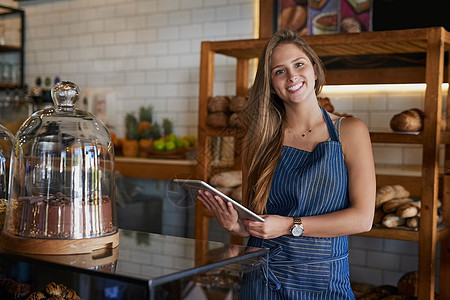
<point x="196" y="185"/>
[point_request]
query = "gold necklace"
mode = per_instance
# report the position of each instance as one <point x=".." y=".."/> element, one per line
<point x="309" y="130"/>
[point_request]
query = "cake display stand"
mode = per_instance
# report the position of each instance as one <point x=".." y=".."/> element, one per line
<point x="58" y="246"/>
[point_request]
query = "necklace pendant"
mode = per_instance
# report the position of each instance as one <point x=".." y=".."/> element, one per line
<point x="303" y="135"/>
<point x="309" y="130"/>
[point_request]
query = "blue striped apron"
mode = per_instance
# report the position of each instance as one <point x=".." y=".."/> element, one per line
<point x="305" y="184"/>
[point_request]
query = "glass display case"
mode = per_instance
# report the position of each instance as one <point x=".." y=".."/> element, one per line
<point x="143" y="266"/>
<point x="62" y="195"/>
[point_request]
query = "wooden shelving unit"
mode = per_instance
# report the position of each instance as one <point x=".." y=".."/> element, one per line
<point x="435" y="43"/>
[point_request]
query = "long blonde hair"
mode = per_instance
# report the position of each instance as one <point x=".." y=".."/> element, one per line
<point x="263" y="118"/>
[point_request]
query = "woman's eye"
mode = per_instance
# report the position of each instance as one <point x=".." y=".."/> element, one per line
<point x="299" y="64"/>
<point x="278" y="72"/>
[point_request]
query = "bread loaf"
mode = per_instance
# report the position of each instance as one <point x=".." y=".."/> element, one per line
<point x="384" y="194"/>
<point x="217" y="119"/>
<point x="392" y="220"/>
<point x="325" y="103"/>
<point x="219" y="104"/>
<point x="410" y="120"/>
<point x="236" y="194"/>
<point x="413" y="222"/>
<point x="393" y="204"/>
<point x="378" y="216"/>
<point x="227" y="179"/>
<point x="407" y="285"/>
<point x="388" y="192"/>
<point x="237" y="103"/>
<point x="407" y="210"/>
<point x="400" y="191"/>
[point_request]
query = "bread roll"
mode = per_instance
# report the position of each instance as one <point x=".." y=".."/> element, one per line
<point x="237" y="103"/>
<point x="407" y="285"/>
<point x="407" y="210"/>
<point x="325" y="103"/>
<point x="410" y="120"/>
<point x="217" y="119"/>
<point x="392" y="220"/>
<point x="219" y="104"/>
<point x="384" y="194"/>
<point x="413" y="222"/>
<point x="227" y="179"/>
<point x="393" y="204"/>
<point x="400" y="191"/>
<point x="236" y="194"/>
<point x="378" y="216"/>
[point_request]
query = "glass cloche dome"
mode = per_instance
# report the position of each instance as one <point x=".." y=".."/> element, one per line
<point x="62" y="185"/>
<point x="6" y="146"/>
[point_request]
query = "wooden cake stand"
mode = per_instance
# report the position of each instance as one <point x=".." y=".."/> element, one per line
<point x="57" y="246"/>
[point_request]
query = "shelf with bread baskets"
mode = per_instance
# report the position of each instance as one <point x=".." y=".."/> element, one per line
<point x="435" y="43"/>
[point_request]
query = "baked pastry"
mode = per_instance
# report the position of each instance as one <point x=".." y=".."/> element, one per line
<point x="407" y="285"/>
<point x="410" y="120"/>
<point x="393" y="204"/>
<point x="407" y="210"/>
<point x="219" y="104"/>
<point x="227" y="179"/>
<point x="217" y="119"/>
<point x="378" y="216"/>
<point x="237" y="103"/>
<point x="392" y="220"/>
<point x="388" y="192"/>
<point x="325" y="103"/>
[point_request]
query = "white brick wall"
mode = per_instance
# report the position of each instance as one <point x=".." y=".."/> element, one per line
<point x="148" y="52"/>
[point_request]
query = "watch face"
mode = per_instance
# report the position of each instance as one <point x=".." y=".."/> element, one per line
<point x="297" y="230"/>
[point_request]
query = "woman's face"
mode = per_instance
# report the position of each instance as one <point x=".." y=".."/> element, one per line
<point x="292" y="73"/>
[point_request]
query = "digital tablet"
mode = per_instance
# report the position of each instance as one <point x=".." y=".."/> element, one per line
<point x="196" y="185"/>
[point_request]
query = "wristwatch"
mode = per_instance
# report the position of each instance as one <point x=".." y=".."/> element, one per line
<point x="297" y="229"/>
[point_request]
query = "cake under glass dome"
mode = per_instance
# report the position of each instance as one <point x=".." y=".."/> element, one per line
<point x="62" y="188"/>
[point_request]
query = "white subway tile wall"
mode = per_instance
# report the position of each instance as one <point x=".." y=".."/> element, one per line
<point x="148" y="53"/>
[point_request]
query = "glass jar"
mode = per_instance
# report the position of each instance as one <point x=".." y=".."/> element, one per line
<point x="6" y="146"/>
<point x="62" y="182"/>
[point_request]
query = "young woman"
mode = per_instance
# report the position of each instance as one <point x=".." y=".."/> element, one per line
<point x="309" y="173"/>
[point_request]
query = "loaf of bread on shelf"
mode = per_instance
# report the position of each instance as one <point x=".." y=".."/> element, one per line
<point x="378" y="215"/>
<point x="325" y="103"/>
<point x="392" y="220"/>
<point x="237" y="103"/>
<point x="407" y="285"/>
<point x="407" y="210"/>
<point x="413" y="222"/>
<point x="217" y="119"/>
<point x="388" y="192"/>
<point x="410" y="120"/>
<point x="227" y="179"/>
<point x="219" y="104"/>
<point x="393" y="204"/>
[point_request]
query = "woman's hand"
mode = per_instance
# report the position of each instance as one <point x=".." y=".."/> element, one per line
<point x="224" y="212"/>
<point x="273" y="227"/>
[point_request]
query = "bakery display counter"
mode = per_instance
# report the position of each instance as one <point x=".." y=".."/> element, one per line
<point x="143" y="266"/>
<point x="156" y="168"/>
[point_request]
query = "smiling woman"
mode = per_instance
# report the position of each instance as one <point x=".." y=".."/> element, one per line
<point x="307" y="172"/>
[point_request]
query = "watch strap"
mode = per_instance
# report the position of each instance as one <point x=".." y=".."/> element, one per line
<point x="297" y="220"/>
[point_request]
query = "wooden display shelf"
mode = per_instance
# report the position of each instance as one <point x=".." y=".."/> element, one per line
<point x="403" y="234"/>
<point x="164" y="169"/>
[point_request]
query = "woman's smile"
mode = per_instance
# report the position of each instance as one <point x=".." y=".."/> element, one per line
<point x="295" y="88"/>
